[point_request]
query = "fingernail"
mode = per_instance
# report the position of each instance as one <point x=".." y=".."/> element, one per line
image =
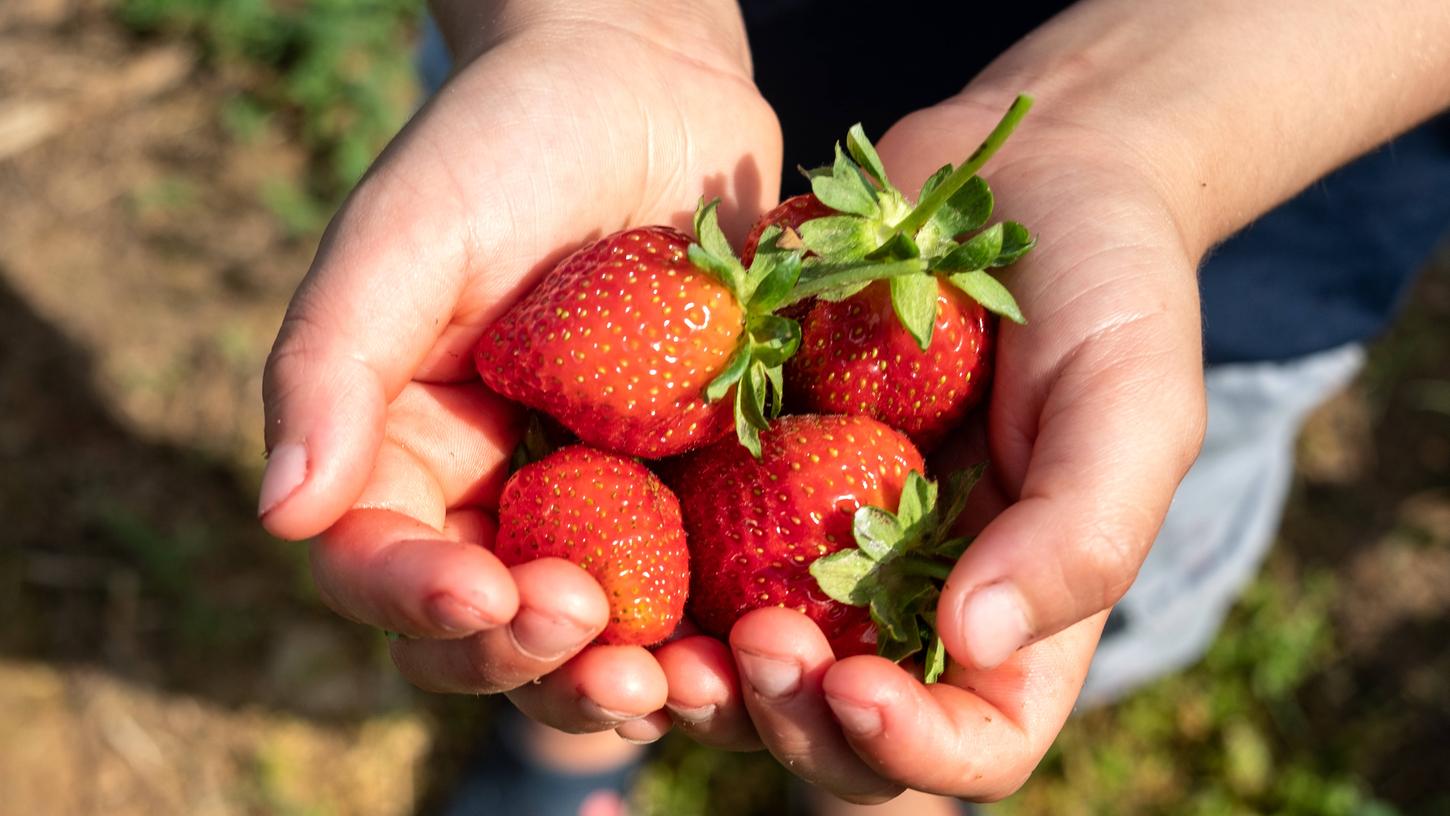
<point x="595" y="711"/>
<point x="693" y="716"/>
<point x="994" y="624"/>
<point x="856" y="719"/>
<point x="286" y="470"/>
<point x="771" y="678"/>
<point x="453" y="615"/>
<point x="544" y="637"/>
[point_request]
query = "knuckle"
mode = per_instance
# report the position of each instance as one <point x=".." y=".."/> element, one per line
<point x="1111" y="553"/>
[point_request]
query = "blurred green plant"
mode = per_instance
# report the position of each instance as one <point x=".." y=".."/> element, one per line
<point x="335" y="75"/>
<point x="1226" y="737"/>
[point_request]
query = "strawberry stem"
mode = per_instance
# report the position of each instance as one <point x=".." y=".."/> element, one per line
<point x="928" y="206"/>
<point x="929" y="567"/>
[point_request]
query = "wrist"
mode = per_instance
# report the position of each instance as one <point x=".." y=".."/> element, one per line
<point x="711" y="32"/>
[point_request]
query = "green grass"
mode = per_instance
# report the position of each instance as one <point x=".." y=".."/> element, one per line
<point x="336" y="76"/>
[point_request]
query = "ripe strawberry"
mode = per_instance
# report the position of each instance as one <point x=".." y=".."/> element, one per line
<point x="788" y="214"/>
<point x="755" y="526"/>
<point x="611" y="516"/>
<point x="857" y="357"/>
<point x="633" y="341"/>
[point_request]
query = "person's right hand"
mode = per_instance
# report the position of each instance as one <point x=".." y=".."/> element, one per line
<point x="567" y="125"/>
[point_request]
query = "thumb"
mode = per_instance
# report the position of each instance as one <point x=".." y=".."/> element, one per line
<point x="381" y="292"/>
<point x="1114" y="438"/>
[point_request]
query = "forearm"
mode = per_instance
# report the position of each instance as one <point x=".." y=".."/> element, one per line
<point x="1232" y="106"/>
<point x="711" y="31"/>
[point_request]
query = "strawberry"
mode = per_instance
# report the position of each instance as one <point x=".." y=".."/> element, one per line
<point x="633" y="341"/>
<point x="787" y="215"/>
<point x="856" y="357"/>
<point x="611" y="516"/>
<point x="756" y="526"/>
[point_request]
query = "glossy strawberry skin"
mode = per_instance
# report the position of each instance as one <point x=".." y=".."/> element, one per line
<point x="755" y="526"/>
<point x="791" y="213"/>
<point x="856" y="358"/>
<point x="613" y="517"/>
<point x="618" y="342"/>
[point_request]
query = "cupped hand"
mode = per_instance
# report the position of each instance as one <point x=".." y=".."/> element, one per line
<point x="1097" y="411"/>
<point x="383" y="444"/>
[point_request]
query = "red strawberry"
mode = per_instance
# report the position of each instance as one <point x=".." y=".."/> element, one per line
<point x="611" y="516"/>
<point x="914" y="351"/>
<point x="633" y="342"/>
<point x="856" y="358"/>
<point x="788" y="214"/>
<point x="755" y="526"/>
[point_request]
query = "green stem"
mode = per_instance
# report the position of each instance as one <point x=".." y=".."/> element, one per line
<point x="928" y="206"/>
<point x="930" y="567"/>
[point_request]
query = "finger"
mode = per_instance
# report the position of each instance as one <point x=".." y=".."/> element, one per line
<point x="705" y="700"/>
<point x="650" y="728"/>
<point x="1119" y="427"/>
<point x="393" y="562"/>
<point x="446" y="446"/>
<point x="978" y="734"/>
<point x="391" y="571"/>
<point x="783" y="657"/>
<point x="561" y="609"/>
<point x="600" y="688"/>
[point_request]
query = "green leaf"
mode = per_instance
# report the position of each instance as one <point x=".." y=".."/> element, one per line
<point x="846" y="189"/>
<point x="958" y="488"/>
<point x="781" y="274"/>
<point x="730" y="275"/>
<point x="917" y="508"/>
<point x="898" y="650"/>
<point x="818" y="278"/>
<point x="989" y="292"/>
<point x="838" y="237"/>
<point x="935" y="181"/>
<point x="774" y="339"/>
<point x="707" y="230"/>
<point x="953" y="548"/>
<point x="975" y="253"/>
<point x="887" y="612"/>
<point x="775" y="403"/>
<point x="752" y="389"/>
<point x="734" y="370"/>
<point x="864" y="153"/>
<point x="847" y="576"/>
<point x="967" y="210"/>
<point x="877" y="532"/>
<point x="934" y="662"/>
<point x="1016" y="242"/>
<point x="913" y="298"/>
<point x="749" y="419"/>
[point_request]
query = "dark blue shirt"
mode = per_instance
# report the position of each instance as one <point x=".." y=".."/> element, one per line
<point x="1329" y="267"/>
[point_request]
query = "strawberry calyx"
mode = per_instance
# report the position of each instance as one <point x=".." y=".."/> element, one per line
<point x="877" y="224"/>
<point x="774" y="279"/>
<point x="899" y="565"/>
<point x="755" y="369"/>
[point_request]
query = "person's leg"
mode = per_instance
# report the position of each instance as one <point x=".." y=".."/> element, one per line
<point x="1222" y="522"/>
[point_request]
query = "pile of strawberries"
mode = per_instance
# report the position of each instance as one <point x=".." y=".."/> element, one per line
<point x="866" y="318"/>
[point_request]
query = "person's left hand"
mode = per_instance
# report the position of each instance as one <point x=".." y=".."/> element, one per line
<point x="1097" y="411"/>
